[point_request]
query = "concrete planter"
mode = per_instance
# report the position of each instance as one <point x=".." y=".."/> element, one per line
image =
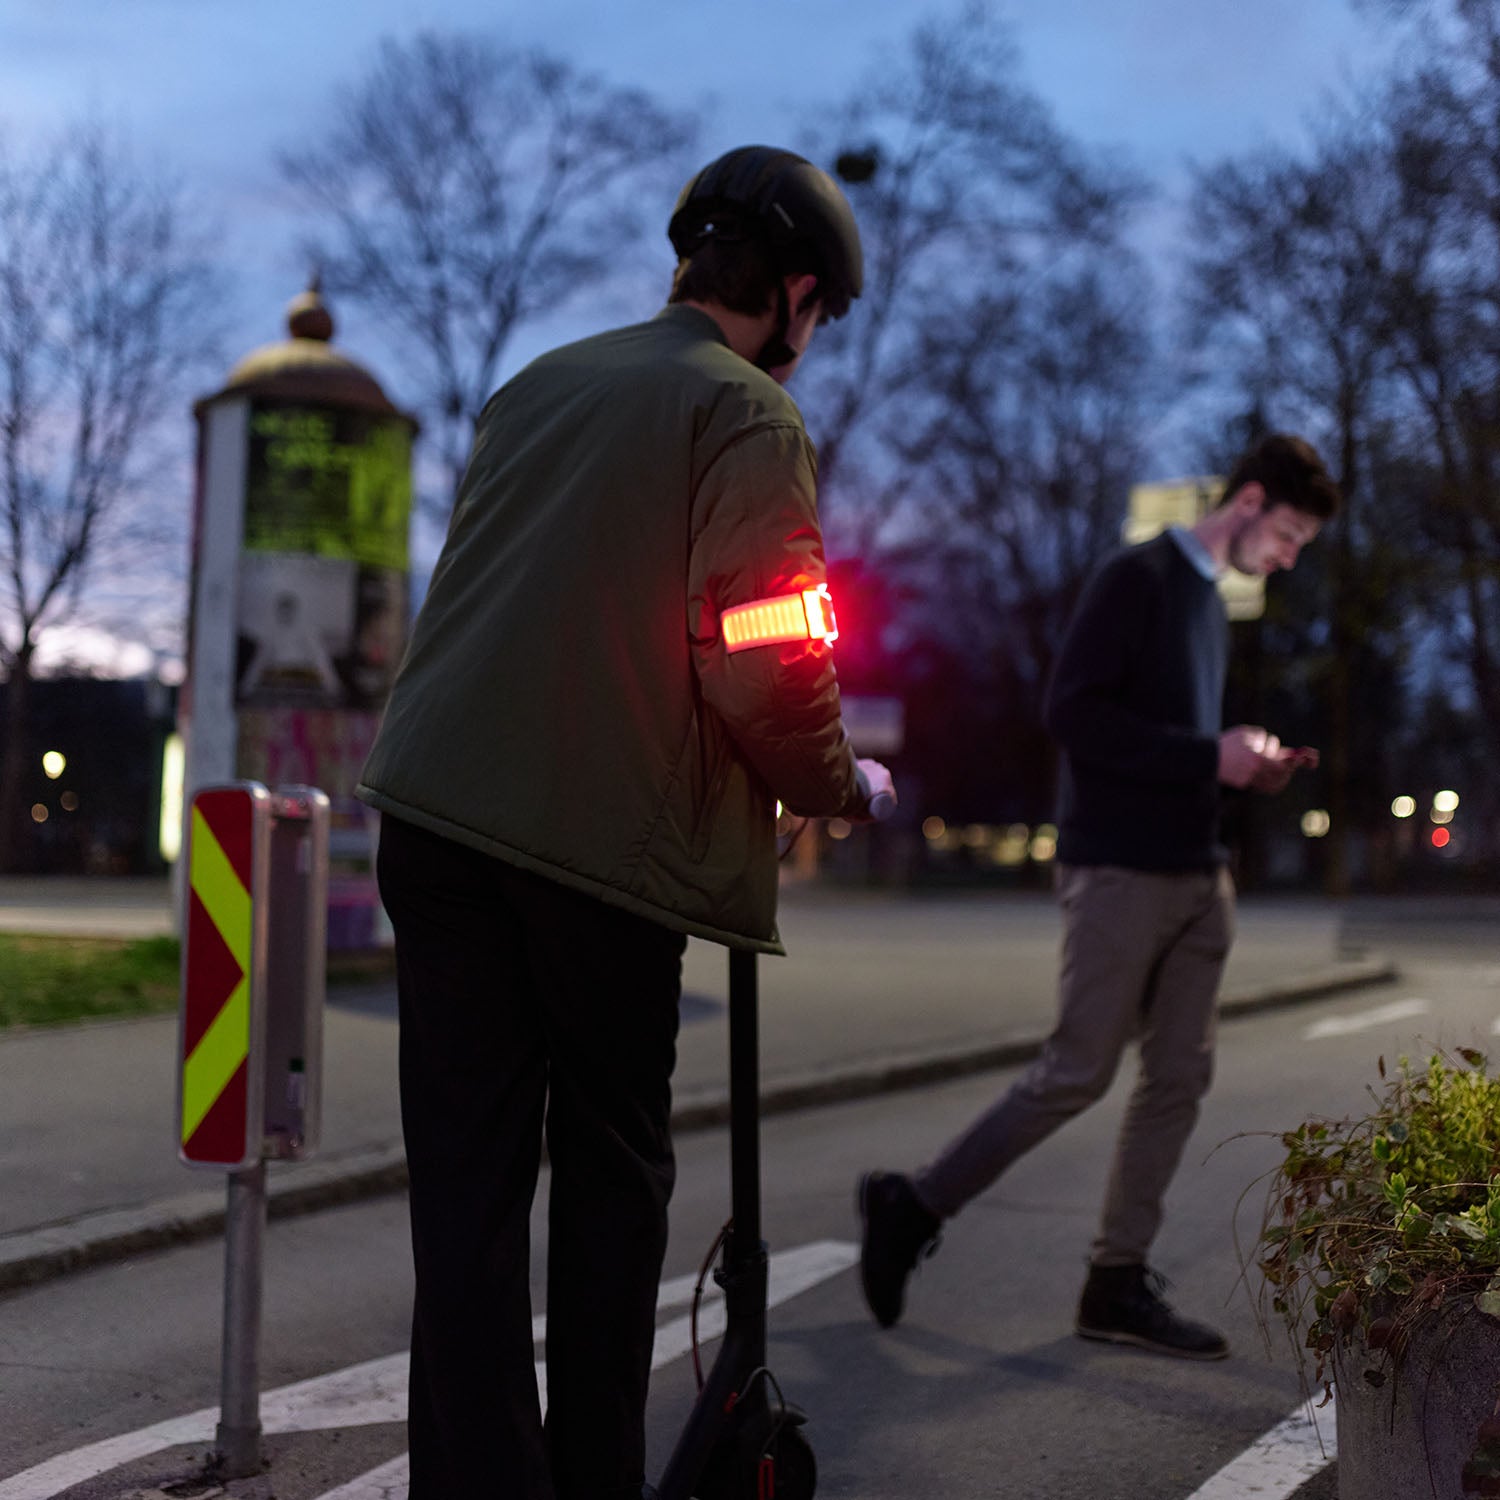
<point x="1410" y="1438"/>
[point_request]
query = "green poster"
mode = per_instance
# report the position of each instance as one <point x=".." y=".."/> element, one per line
<point x="329" y="483"/>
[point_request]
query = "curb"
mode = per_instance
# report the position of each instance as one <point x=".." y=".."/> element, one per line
<point x="897" y="1071"/>
<point x="32" y="1256"/>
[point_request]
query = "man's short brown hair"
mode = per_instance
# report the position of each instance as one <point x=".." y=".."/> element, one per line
<point x="740" y="274"/>
<point x="1289" y="470"/>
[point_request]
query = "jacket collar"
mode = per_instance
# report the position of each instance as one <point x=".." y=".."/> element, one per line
<point x="692" y="318"/>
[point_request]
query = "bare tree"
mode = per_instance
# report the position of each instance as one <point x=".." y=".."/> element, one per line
<point x="1014" y="468"/>
<point x="960" y="180"/>
<point x="104" y="311"/>
<point x="466" y="189"/>
<point x="978" y="414"/>
<point x="1354" y="289"/>
<point x="1288" y="302"/>
<point x="1031" y="433"/>
<point x="1444" y="313"/>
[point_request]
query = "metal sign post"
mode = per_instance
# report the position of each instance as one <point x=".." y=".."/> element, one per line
<point x="237" y="1439"/>
<point x="253" y="972"/>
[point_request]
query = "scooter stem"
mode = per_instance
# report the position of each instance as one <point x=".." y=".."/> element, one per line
<point x="744" y="1271"/>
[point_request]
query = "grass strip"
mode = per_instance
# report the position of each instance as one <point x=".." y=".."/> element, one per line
<point x="49" y="981"/>
<point x="46" y="981"/>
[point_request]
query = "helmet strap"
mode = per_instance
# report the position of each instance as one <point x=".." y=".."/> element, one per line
<point x="776" y="352"/>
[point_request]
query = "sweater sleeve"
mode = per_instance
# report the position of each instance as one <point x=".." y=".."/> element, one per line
<point x="756" y="536"/>
<point x="1090" y="709"/>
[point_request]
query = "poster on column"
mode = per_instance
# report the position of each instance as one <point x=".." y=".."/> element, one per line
<point x="322" y="618"/>
<point x="322" y="608"/>
<point x="296" y="622"/>
<point x="325" y="748"/>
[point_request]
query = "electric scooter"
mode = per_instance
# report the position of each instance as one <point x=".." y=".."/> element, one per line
<point x="743" y="1440"/>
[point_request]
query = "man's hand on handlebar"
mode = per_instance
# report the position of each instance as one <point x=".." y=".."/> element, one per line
<point x="882" y="790"/>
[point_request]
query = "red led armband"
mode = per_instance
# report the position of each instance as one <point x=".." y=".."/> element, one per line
<point x="807" y="616"/>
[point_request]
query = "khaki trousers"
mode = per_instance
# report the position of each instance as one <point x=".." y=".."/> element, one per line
<point x="1142" y="957"/>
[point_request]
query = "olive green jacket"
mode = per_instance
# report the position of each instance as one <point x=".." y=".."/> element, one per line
<point x="566" y="702"/>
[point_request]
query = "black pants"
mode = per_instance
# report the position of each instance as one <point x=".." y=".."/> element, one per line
<point x="518" y="994"/>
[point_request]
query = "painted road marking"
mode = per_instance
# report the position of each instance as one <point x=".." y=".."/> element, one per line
<point x="390" y="1481"/>
<point x="359" y="1396"/>
<point x="1364" y="1020"/>
<point x="1276" y="1465"/>
<point x="792" y="1273"/>
<point x="374" y="1392"/>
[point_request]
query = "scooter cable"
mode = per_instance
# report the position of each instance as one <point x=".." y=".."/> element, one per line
<point x="750" y="1379"/>
<point x="708" y="1260"/>
<point x="779" y="1421"/>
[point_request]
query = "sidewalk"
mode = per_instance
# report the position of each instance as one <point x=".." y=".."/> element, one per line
<point x="881" y="991"/>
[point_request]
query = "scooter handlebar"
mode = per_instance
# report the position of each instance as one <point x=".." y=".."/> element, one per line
<point x="882" y="805"/>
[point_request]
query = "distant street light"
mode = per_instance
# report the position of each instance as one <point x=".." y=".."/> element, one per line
<point x="173" y="776"/>
<point x="54" y="763"/>
<point x="1403" y="807"/>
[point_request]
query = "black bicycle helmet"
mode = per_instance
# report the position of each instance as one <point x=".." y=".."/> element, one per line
<point x="758" y="190"/>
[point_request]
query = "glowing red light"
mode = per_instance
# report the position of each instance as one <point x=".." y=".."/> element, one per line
<point x="1440" y="837"/>
<point x="805" y="616"/>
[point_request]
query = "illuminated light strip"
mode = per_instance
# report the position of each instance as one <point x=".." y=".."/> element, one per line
<point x="805" y="616"/>
<point x="226" y="1044"/>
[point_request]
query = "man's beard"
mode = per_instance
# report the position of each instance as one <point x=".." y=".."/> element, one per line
<point x="1236" y="551"/>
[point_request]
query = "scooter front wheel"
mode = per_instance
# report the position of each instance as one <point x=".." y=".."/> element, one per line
<point x="780" y="1466"/>
<point x="795" y="1470"/>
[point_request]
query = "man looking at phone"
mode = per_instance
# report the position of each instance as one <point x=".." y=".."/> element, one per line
<point x="1147" y="901"/>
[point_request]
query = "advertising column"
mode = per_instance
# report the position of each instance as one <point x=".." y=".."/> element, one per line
<point x="291" y="662"/>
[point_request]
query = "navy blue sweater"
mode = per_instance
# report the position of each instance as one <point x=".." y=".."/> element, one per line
<point x="1135" y="702"/>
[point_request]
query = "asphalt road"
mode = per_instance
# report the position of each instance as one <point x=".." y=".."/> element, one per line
<point x="982" y="1391"/>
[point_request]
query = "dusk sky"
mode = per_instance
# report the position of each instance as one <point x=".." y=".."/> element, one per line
<point x="212" y="90"/>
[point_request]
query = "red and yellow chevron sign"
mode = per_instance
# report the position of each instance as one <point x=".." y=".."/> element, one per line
<point x="219" y="1123"/>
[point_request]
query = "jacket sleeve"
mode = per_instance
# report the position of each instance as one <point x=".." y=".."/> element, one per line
<point x="1088" y="708"/>
<point x="755" y="536"/>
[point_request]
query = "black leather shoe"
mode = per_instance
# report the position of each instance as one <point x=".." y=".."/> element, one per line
<point x="897" y="1231"/>
<point x="1124" y="1305"/>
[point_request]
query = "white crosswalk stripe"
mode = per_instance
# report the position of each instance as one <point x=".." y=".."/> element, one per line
<point x="374" y="1392"/>
<point x="792" y="1273"/>
<point x="1366" y="1020"/>
<point x="389" y="1482"/>
<point x="1279" y="1463"/>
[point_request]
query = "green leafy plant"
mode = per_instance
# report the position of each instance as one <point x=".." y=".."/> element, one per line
<point x="1373" y="1224"/>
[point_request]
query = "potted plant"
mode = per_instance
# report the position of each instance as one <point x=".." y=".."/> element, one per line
<point x="1380" y="1250"/>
